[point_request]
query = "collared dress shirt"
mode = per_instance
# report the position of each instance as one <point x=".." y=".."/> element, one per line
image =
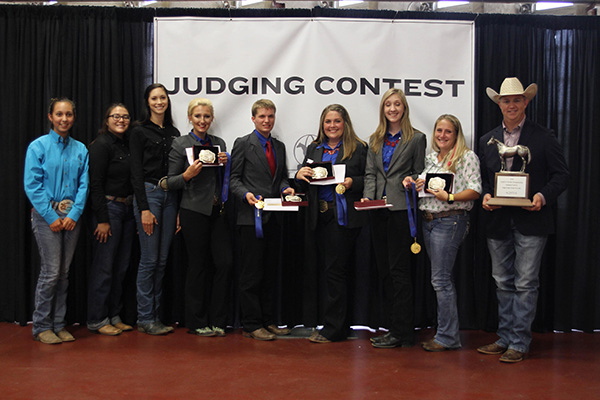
<point x="329" y="154"/>
<point x="56" y="169"/>
<point x="389" y="145"/>
<point x="263" y="143"/>
<point x="511" y="138"/>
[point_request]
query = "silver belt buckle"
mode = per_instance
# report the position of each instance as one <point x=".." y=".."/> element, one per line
<point x="65" y="206"/>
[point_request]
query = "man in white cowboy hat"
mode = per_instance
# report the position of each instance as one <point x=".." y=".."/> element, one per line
<point x="516" y="236"/>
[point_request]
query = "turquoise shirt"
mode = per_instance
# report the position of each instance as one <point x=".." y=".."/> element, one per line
<point x="55" y="170"/>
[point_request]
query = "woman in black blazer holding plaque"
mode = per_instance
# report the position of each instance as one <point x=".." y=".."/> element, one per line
<point x="332" y="221"/>
<point x="203" y="224"/>
<point x="396" y="150"/>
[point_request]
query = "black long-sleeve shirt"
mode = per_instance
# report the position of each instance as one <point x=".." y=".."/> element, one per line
<point x="109" y="172"/>
<point x="149" y="145"/>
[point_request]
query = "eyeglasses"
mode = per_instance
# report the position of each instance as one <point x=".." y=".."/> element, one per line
<point x="117" y="117"/>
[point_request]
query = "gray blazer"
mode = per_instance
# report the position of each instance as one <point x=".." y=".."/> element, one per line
<point x="197" y="194"/>
<point x="408" y="159"/>
<point x="250" y="173"/>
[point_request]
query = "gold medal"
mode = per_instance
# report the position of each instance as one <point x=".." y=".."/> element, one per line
<point x="340" y="189"/>
<point x="260" y="204"/>
<point x="415" y="247"/>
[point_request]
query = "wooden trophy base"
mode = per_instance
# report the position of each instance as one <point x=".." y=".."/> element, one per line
<point x="509" y="202"/>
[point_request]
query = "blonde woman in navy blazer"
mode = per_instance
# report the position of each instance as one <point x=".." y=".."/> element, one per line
<point x="396" y="150"/>
<point x="334" y="236"/>
<point x="203" y="225"/>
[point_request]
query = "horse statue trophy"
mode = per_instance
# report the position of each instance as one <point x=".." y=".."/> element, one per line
<point x="507" y="152"/>
<point x="512" y="187"/>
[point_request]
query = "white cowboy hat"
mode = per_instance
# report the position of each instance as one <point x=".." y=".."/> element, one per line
<point x="512" y="87"/>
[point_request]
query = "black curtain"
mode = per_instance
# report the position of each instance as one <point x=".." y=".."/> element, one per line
<point x="95" y="56"/>
<point x="561" y="55"/>
<point x="98" y="55"/>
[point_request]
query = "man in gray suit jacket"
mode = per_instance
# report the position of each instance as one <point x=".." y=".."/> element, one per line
<point x="259" y="171"/>
<point x="516" y="236"/>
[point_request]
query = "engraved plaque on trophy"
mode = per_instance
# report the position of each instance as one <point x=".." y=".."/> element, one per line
<point x="511" y="188"/>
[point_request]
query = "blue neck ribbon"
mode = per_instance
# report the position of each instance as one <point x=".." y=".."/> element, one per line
<point x="258" y="221"/>
<point x="225" y="180"/>
<point x="342" y="209"/>
<point x="412" y="214"/>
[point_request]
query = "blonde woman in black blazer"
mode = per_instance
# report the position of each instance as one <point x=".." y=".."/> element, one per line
<point x="396" y="150"/>
<point x="203" y="225"/>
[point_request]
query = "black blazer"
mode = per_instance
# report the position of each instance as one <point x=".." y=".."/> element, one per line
<point x="548" y="175"/>
<point x="355" y="169"/>
<point x="250" y="173"/>
<point x="197" y="194"/>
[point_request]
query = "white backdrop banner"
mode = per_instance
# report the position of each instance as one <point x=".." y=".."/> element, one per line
<point x="303" y="65"/>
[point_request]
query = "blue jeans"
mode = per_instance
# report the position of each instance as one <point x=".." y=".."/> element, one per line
<point x="109" y="266"/>
<point x="56" y="253"/>
<point x="154" y="250"/>
<point x="442" y="237"/>
<point x="516" y="263"/>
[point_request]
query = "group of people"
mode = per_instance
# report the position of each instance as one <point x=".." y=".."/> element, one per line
<point x="142" y="176"/>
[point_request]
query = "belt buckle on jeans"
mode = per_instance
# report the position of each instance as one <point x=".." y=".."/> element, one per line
<point x="427" y="216"/>
<point x="323" y="207"/>
<point x="65" y="206"/>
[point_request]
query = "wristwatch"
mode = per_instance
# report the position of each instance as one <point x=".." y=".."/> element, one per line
<point x="450" y="198"/>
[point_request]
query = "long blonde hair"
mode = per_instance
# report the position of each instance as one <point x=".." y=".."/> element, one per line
<point x="408" y="132"/>
<point x="349" y="138"/>
<point x="455" y="155"/>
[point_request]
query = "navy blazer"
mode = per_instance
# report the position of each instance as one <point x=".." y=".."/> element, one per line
<point x="548" y="175"/>
<point x="250" y="172"/>
<point x="355" y="169"/>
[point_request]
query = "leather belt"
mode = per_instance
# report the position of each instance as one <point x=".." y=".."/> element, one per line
<point x="428" y="216"/>
<point x="126" y="200"/>
<point x="325" y="205"/>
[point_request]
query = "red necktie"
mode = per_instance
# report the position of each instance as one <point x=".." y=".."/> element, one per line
<point x="270" y="158"/>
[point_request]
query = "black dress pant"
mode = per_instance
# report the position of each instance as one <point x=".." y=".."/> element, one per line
<point x="335" y="245"/>
<point x="210" y="262"/>
<point x="390" y="231"/>
<point x="258" y="277"/>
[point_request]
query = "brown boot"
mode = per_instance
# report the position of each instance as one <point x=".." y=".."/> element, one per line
<point x="47" y="337"/>
<point x="123" y="327"/>
<point x="65" y="336"/>
<point x="260" y="334"/>
<point x="109" y="330"/>
<point x="278" y="331"/>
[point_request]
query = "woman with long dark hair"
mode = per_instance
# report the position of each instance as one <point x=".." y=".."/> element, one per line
<point x="155" y="207"/>
<point x="111" y="197"/>
<point x="56" y="182"/>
